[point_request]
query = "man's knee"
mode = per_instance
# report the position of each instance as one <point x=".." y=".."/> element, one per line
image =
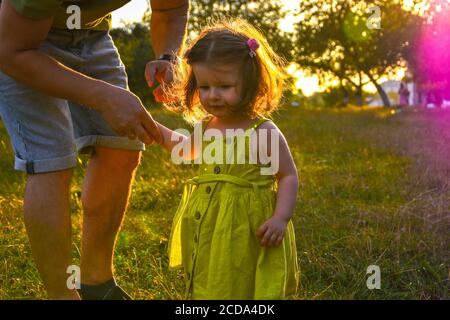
<point x="113" y="169"/>
<point x="117" y="160"/>
<point x="130" y="161"/>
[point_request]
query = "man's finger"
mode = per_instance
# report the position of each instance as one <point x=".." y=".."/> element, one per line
<point x="151" y="128"/>
<point x="168" y="76"/>
<point x="143" y="135"/>
<point x="150" y="73"/>
<point x="131" y="136"/>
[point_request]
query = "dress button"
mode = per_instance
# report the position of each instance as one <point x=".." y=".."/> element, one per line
<point x="208" y="189"/>
<point x="197" y="215"/>
<point x="216" y="169"/>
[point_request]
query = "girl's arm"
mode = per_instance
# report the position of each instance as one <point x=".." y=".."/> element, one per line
<point x="272" y="231"/>
<point x="185" y="148"/>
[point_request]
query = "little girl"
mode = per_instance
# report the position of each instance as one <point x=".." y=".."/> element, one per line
<point x="232" y="232"/>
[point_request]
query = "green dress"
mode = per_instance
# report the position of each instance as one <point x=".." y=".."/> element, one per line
<point x="214" y="231"/>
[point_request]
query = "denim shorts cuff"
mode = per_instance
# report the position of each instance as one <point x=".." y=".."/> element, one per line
<point x="46" y="165"/>
<point x="109" y="142"/>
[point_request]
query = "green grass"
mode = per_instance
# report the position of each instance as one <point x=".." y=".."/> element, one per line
<point x="362" y="201"/>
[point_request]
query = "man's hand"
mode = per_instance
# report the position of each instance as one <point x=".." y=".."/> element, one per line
<point x="127" y="116"/>
<point x="161" y="71"/>
<point x="272" y="231"/>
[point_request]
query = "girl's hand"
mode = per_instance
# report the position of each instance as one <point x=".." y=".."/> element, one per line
<point x="272" y="231"/>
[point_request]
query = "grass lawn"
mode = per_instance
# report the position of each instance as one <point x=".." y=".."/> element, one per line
<point x="373" y="191"/>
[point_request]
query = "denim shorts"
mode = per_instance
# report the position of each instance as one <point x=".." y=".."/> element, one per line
<point x="47" y="132"/>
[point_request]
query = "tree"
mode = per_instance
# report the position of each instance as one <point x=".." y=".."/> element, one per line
<point x="336" y="37"/>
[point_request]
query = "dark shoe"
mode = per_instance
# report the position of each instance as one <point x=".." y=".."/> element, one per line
<point x="117" y="293"/>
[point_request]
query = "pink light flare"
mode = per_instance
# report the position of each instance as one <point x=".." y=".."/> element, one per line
<point x="433" y="54"/>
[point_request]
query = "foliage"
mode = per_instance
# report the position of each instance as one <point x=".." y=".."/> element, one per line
<point x="334" y="37"/>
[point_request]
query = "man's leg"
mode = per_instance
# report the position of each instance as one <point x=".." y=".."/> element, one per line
<point x="105" y="196"/>
<point x="47" y="220"/>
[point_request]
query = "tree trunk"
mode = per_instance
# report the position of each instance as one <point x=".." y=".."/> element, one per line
<point x="359" y="96"/>
<point x="381" y="92"/>
<point x="345" y="98"/>
<point x="359" y="91"/>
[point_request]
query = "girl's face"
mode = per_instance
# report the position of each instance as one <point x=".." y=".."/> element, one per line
<point x="219" y="88"/>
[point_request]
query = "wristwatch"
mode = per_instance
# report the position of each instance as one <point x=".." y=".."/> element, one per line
<point x="172" y="58"/>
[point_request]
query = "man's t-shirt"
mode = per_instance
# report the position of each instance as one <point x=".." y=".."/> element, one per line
<point x="95" y="14"/>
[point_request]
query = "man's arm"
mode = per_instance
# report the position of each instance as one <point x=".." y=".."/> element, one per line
<point x="168" y="30"/>
<point x="168" y="25"/>
<point x="21" y="60"/>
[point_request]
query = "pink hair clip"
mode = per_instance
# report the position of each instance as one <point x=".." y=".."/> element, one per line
<point x="253" y="46"/>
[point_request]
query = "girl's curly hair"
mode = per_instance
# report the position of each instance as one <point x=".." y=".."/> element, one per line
<point x="225" y="43"/>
